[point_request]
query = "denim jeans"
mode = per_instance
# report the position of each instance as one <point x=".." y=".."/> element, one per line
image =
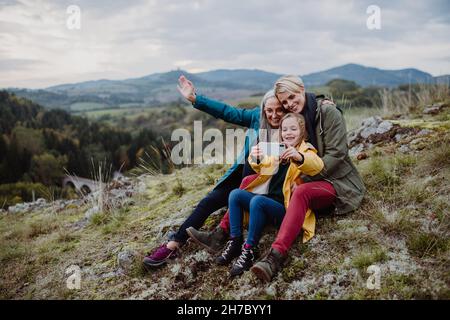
<point x="263" y="210"/>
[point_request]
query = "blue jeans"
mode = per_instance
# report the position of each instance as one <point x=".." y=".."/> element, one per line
<point x="263" y="210"/>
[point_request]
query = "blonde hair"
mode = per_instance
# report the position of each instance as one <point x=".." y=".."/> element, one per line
<point x="289" y="83"/>
<point x="301" y="123"/>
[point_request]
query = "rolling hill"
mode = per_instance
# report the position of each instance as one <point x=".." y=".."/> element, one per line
<point x="160" y="88"/>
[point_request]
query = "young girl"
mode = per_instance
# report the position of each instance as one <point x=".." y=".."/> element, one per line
<point x="267" y="197"/>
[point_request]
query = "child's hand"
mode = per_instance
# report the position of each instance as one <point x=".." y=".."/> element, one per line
<point x="291" y="153"/>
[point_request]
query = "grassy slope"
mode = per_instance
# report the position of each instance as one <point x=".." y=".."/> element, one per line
<point x="402" y="226"/>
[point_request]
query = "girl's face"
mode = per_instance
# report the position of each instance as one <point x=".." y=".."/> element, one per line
<point x="290" y="132"/>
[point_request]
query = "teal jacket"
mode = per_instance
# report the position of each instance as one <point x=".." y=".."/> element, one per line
<point x="248" y="118"/>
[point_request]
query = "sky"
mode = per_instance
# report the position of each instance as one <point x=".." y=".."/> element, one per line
<point x="128" y="39"/>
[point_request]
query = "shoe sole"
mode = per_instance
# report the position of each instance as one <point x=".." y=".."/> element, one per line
<point x="209" y="249"/>
<point x="260" y="273"/>
<point x="154" y="264"/>
<point x="234" y="274"/>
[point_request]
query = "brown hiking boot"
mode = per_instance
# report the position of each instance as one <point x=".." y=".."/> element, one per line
<point x="269" y="266"/>
<point x="213" y="241"/>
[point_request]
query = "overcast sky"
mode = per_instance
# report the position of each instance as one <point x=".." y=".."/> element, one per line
<point x="127" y="39"/>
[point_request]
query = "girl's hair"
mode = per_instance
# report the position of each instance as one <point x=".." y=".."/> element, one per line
<point x="301" y="123"/>
<point x="289" y="83"/>
<point x="265" y="130"/>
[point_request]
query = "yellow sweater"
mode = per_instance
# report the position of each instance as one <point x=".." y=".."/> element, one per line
<point x="311" y="166"/>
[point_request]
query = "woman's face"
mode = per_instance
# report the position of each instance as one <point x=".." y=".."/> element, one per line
<point x="292" y="102"/>
<point x="290" y="132"/>
<point x="274" y="112"/>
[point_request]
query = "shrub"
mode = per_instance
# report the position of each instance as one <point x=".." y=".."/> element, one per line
<point x="13" y="193"/>
<point x="178" y="188"/>
<point x="365" y="259"/>
<point x="426" y="244"/>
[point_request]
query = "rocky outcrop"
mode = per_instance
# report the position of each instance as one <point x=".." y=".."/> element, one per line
<point x="435" y="108"/>
<point x="112" y="195"/>
<point x="375" y="130"/>
<point x="41" y="204"/>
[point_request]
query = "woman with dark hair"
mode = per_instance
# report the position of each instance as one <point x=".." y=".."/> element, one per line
<point x="266" y="117"/>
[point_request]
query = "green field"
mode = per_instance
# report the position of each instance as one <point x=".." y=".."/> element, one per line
<point x="82" y="106"/>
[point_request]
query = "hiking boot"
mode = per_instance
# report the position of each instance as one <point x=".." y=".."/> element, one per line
<point x="269" y="266"/>
<point x="232" y="250"/>
<point x="244" y="262"/>
<point x="213" y="241"/>
<point x="159" y="256"/>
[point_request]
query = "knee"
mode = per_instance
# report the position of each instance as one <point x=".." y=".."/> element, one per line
<point x="234" y="195"/>
<point x="257" y="202"/>
<point x="301" y="191"/>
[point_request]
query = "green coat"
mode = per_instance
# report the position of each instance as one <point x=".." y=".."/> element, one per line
<point x="338" y="169"/>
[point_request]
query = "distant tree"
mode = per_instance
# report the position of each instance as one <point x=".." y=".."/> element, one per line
<point x="3" y="148"/>
<point x="338" y="87"/>
<point x="15" y="164"/>
<point x="145" y="139"/>
<point x="28" y="139"/>
<point x="55" y="119"/>
<point x="48" y="169"/>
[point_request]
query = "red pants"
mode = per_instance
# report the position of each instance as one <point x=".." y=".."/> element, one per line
<point x="315" y="195"/>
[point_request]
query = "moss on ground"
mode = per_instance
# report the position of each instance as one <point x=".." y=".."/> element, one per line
<point x="402" y="227"/>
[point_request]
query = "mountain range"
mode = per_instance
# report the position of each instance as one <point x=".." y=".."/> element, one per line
<point x="160" y="88"/>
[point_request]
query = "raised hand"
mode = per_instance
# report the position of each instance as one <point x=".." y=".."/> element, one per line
<point x="186" y="88"/>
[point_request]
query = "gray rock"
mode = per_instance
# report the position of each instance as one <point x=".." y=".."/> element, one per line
<point x="126" y="259"/>
<point x="356" y="150"/>
<point x="434" y="109"/>
<point x="384" y="126"/>
<point x="367" y="132"/>
<point x="416" y="141"/>
<point x="80" y="224"/>
<point x="404" y="148"/>
<point x="424" y="132"/>
<point x="328" y="279"/>
<point x="361" y="229"/>
<point x="88" y="215"/>
<point x="371" y="122"/>
<point x="399" y="137"/>
<point x="271" y="290"/>
<point x="19" y="208"/>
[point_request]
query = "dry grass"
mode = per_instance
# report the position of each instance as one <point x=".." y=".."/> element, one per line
<point x="403" y="227"/>
<point x="398" y="102"/>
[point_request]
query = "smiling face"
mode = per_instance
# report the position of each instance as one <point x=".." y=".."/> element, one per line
<point x="291" y="133"/>
<point x="292" y="102"/>
<point x="274" y="112"/>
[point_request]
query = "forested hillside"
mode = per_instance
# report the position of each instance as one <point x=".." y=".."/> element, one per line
<point x="39" y="146"/>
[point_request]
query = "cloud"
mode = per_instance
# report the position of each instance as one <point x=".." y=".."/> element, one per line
<point x="124" y="39"/>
